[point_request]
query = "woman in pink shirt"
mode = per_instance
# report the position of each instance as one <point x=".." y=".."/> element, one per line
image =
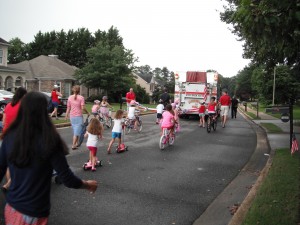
<point x="75" y="106"/>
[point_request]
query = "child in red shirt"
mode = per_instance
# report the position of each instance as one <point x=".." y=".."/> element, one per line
<point x="202" y="114"/>
<point x="211" y="108"/>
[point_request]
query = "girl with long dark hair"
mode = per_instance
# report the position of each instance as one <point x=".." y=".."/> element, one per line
<point x="31" y="149"/>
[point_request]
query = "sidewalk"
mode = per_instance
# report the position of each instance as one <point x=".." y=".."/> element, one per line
<point x="253" y="173"/>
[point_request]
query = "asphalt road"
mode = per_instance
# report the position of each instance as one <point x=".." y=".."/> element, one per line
<point x="149" y="186"/>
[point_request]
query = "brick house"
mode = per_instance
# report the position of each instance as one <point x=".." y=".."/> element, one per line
<point x="10" y="77"/>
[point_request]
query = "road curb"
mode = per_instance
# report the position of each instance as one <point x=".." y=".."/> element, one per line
<point x="243" y="188"/>
<point x="241" y="213"/>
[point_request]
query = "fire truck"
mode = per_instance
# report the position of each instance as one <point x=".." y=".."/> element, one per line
<point x="194" y="87"/>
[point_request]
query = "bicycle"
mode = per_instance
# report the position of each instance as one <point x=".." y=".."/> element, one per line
<point x="104" y="120"/>
<point x="166" y="138"/>
<point x="129" y="123"/>
<point x="211" y="122"/>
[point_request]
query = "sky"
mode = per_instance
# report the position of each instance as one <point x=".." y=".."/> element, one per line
<point x="182" y="35"/>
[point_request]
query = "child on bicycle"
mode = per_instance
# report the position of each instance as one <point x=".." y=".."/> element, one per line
<point x="211" y="107"/>
<point x="133" y="108"/>
<point x="168" y="119"/>
<point x="159" y="110"/>
<point x="117" y="129"/>
<point x="104" y="107"/>
<point x="96" y="108"/>
<point x="201" y="111"/>
<point x="93" y="133"/>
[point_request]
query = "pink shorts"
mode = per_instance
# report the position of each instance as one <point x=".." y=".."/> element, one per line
<point x="93" y="150"/>
<point x="169" y="128"/>
<point x="13" y="217"/>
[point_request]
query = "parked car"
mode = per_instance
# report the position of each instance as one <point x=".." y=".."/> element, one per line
<point x="62" y="105"/>
<point x="6" y="94"/>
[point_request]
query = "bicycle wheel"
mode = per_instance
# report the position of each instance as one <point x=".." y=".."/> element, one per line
<point x="208" y="128"/>
<point x="108" y="122"/>
<point x="162" y="142"/>
<point x="214" y="125"/>
<point x="139" y="126"/>
<point x="171" y="139"/>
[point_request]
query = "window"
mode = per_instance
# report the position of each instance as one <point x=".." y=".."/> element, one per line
<point x="1" y="56"/>
<point x="18" y="82"/>
<point x="67" y="89"/>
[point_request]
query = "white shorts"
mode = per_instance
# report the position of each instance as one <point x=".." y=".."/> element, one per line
<point x="224" y="110"/>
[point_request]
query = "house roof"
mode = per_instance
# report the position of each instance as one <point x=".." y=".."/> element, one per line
<point x="46" y="67"/>
<point x="3" y="42"/>
<point x="145" y="76"/>
<point x="9" y="69"/>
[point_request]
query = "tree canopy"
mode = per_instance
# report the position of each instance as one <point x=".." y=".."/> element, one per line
<point x="108" y="68"/>
<point x="270" y="31"/>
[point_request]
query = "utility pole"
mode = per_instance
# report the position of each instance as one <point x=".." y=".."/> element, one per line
<point x="273" y="101"/>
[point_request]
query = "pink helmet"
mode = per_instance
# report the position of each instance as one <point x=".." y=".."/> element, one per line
<point x="176" y="101"/>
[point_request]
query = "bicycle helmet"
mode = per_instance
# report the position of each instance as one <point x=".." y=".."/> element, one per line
<point x="96" y="101"/>
<point x="104" y="97"/>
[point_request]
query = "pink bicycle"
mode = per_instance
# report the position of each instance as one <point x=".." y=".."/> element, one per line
<point x="166" y="138"/>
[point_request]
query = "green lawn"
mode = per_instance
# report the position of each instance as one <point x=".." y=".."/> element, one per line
<point x="116" y="106"/>
<point x="271" y="128"/>
<point x="277" y="201"/>
<point x="296" y="111"/>
<point x="252" y="115"/>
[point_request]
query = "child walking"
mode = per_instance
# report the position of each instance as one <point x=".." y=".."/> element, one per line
<point x="117" y="129"/>
<point x="93" y="133"/>
<point x="159" y="111"/>
<point x="202" y="114"/>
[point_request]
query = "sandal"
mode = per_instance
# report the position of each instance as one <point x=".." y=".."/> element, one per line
<point x="74" y="148"/>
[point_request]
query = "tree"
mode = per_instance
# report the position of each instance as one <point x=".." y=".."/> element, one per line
<point x="286" y="85"/>
<point x="108" y="69"/>
<point x="269" y="28"/>
<point x="243" y="84"/>
<point x="17" y="51"/>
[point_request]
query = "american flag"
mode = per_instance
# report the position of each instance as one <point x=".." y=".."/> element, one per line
<point x="295" y="146"/>
<point x="205" y="94"/>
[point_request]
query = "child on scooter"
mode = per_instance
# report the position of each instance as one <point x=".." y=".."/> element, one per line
<point x="117" y="129"/>
<point x="93" y="134"/>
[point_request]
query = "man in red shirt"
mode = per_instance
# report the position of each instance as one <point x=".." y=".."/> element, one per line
<point x="129" y="97"/>
<point x="225" y="102"/>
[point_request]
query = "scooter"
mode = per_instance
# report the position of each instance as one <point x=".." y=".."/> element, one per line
<point x="122" y="147"/>
<point x="88" y="164"/>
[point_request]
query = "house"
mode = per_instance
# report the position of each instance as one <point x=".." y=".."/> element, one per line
<point x="43" y="72"/>
<point x="10" y="77"/>
<point x="145" y="80"/>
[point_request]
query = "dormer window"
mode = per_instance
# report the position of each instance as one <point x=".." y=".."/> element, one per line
<point x="1" y="56"/>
